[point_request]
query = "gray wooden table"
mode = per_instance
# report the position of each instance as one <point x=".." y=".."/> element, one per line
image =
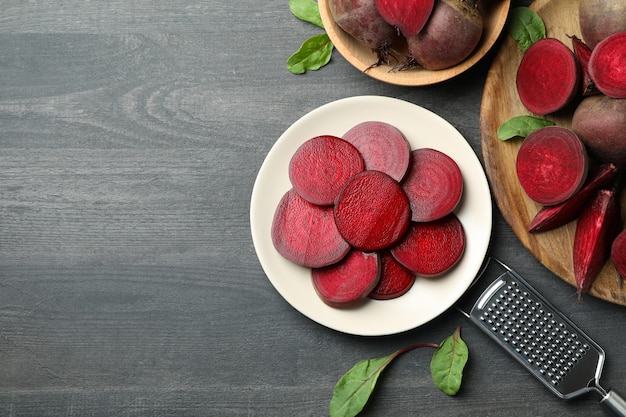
<point x="131" y="133"/>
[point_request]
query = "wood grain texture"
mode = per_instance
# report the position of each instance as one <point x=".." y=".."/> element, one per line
<point x="131" y="134"/>
<point x="501" y="102"/>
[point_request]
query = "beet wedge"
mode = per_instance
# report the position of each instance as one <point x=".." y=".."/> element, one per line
<point x="321" y="165"/>
<point x="305" y="233"/>
<point x="372" y="211"/>
<point x="618" y="254"/>
<point x="551" y="217"/>
<point x="395" y="279"/>
<point x="434" y="185"/>
<point x="607" y="65"/>
<point x="548" y="77"/>
<point x="583" y="54"/>
<point x="429" y="249"/>
<point x="383" y="147"/>
<point x="598" y="225"/>
<point x="552" y="165"/>
<point x="349" y="282"/>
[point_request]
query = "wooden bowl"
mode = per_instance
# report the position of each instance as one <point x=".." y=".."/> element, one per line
<point x="494" y="13"/>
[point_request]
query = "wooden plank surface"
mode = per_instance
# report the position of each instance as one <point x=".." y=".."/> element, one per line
<point x="130" y="137"/>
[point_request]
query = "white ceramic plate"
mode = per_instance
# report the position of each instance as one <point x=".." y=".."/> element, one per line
<point x="427" y="299"/>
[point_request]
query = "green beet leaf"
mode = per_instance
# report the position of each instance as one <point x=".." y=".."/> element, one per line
<point x="314" y="53"/>
<point x="448" y="362"/>
<point x="521" y="126"/>
<point x="525" y="26"/>
<point x="355" y="387"/>
<point x="306" y="10"/>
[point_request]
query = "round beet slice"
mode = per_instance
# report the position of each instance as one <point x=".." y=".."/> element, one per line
<point x="548" y="77"/>
<point x="395" y="279"/>
<point x="607" y="65"/>
<point x="306" y="233"/>
<point x="551" y="165"/>
<point x="434" y="185"/>
<point x="320" y="167"/>
<point x="348" y="282"/>
<point x="432" y="248"/>
<point x="383" y="147"/>
<point x="372" y="211"/>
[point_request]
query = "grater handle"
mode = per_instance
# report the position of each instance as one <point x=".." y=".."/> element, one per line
<point x="615" y="403"/>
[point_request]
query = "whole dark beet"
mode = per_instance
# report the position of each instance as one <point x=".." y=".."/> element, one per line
<point x="600" y="122"/>
<point x="450" y="35"/>
<point x="600" y="18"/>
<point x="361" y="20"/>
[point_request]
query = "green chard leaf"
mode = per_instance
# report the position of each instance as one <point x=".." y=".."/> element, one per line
<point x="306" y="10"/>
<point x="525" y="26"/>
<point x="448" y="362"/>
<point x="314" y="53"/>
<point x="521" y="126"/>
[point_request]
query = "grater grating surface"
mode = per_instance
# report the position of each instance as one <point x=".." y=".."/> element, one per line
<point x="541" y="338"/>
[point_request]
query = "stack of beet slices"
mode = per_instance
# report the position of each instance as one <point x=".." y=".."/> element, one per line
<point x="368" y="214"/>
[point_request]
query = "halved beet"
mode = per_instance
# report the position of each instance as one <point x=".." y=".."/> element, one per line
<point x="409" y="16"/>
<point x="372" y="211"/>
<point x="434" y="185"/>
<point x="432" y="248"/>
<point x="548" y="77"/>
<point x="321" y="165"/>
<point x="607" y="65"/>
<point x="551" y="217"/>
<point x="347" y="283"/>
<point x="395" y="279"/>
<point x="551" y="165"/>
<point x="383" y="147"/>
<point x="306" y="233"/>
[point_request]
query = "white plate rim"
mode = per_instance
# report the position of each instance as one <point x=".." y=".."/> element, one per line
<point x="428" y="298"/>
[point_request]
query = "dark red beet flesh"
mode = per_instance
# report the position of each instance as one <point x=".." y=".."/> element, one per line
<point x="432" y="248"/>
<point x="434" y="185"/>
<point x="395" y="279"/>
<point x="305" y="233"/>
<point x="618" y="254"/>
<point x="551" y="165"/>
<point x="409" y="16"/>
<point x="551" y="217"/>
<point x="347" y="283"/>
<point x="548" y="77"/>
<point x="607" y="65"/>
<point x="383" y="147"/>
<point x="372" y="211"/>
<point x="598" y="225"/>
<point x="321" y="165"/>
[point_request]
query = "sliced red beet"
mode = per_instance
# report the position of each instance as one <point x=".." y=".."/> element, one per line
<point x="618" y="254"/>
<point x="395" y="279"/>
<point x="347" y="283"/>
<point x="432" y="248"/>
<point x="306" y="233"/>
<point x="548" y="77"/>
<point x="434" y="185"/>
<point x="383" y="147"/>
<point x="551" y="165"/>
<point x="321" y="165"/>
<point x="598" y="225"/>
<point x="583" y="54"/>
<point x="409" y="16"/>
<point x="607" y="65"/>
<point x="551" y="217"/>
<point x="372" y="211"/>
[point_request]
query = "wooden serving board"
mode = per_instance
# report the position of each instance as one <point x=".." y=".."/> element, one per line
<point x="500" y="102"/>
